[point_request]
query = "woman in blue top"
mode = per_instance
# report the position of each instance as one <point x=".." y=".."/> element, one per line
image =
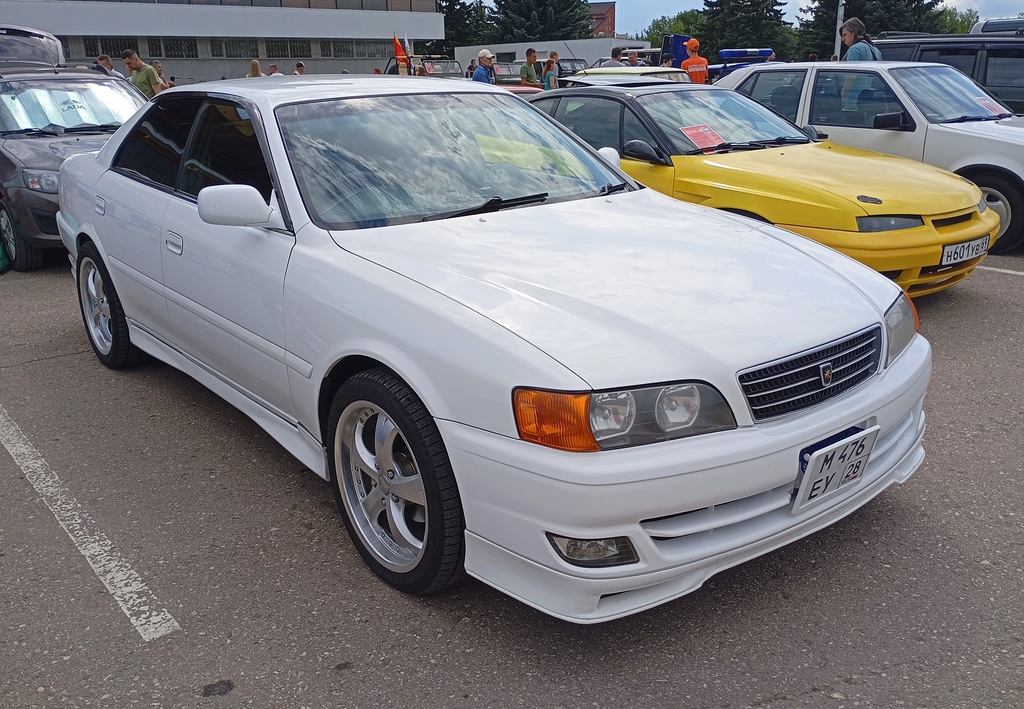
<point x="550" y="75"/>
<point x="855" y="36"/>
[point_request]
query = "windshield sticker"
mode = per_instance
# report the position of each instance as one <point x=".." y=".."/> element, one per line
<point x="702" y="135"/>
<point x="990" y="104"/>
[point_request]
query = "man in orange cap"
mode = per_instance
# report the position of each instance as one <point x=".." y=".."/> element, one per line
<point x="694" y="64"/>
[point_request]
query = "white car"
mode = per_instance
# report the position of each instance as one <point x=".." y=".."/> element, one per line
<point x="425" y="293"/>
<point x="928" y="112"/>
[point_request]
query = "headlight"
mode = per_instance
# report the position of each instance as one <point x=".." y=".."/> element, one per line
<point x="901" y="324"/>
<point x="982" y="205"/>
<point x="41" y="181"/>
<point x="616" y="419"/>
<point x="888" y="223"/>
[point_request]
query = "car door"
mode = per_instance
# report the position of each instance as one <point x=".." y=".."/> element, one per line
<point x="225" y="284"/>
<point x="129" y="205"/>
<point x="844" y="103"/>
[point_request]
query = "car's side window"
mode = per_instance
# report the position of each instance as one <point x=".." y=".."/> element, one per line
<point x="225" y="151"/>
<point x="1005" y="68"/>
<point x="851" y="98"/>
<point x="962" y="58"/>
<point x="548" y="106"/>
<point x="154" y="148"/>
<point x="634" y="129"/>
<point x="595" y="120"/>
<point x="897" y="52"/>
<point x="779" y="90"/>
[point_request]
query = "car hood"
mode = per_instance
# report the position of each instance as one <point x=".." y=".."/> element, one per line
<point x="47" y="153"/>
<point x="825" y="184"/>
<point x="636" y="288"/>
<point x="1009" y="130"/>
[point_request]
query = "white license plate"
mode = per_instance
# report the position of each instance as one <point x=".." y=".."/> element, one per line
<point x="834" y="467"/>
<point x="964" y="251"/>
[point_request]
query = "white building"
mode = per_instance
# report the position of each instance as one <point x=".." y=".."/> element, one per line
<point x="198" y="40"/>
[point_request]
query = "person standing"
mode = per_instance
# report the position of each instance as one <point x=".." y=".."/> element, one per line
<point x="528" y="74"/>
<point x="483" y="71"/>
<point x="273" y="70"/>
<point x="254" y="69"/>
<point x="695" y="65"/>
<point x="616" y="59"/>
<point x="143" y="76"/>
<point x="558" y="68"/>
<point x="634" y="60"/>
<point x="300" y="69"/>
<point x="160" y="72"/>
<point x="471" y="69"/>
<point x="860" y="48"/>
<point x="667" y="60"/>
<point x="105" y="65"/>
<point x="550" y="75"/>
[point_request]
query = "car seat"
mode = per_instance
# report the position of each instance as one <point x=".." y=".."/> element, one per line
<point x="785" y="100"/>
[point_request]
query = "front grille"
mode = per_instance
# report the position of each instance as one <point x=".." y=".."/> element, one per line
<point x="797" y="382"/>
<point x="950" y="221"/>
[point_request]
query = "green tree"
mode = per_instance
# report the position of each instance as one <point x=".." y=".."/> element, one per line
<point x="688" y="22"/>
<point x="953" y="21"/>
<point x="817" y="31"/>
<point x="465" y="24"/>
<point x="744" y="23"/>
<point x="540" y="20"/>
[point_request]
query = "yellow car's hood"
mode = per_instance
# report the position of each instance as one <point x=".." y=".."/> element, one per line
<point x="820" y="184"/>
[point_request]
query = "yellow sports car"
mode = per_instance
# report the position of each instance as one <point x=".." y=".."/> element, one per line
<point x="921" y="226"/>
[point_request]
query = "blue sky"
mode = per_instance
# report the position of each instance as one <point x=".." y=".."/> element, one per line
<point x="634" y="16"/>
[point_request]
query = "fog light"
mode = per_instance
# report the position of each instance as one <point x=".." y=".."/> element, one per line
<point x="594" y="552"/>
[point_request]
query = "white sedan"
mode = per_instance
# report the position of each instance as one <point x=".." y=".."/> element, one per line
<point x="425" y="291"/>
<point x="927" y="112"/>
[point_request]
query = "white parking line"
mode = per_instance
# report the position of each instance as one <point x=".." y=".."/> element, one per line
<point x="117" y="575"/>
<point x="1001" y="270"/>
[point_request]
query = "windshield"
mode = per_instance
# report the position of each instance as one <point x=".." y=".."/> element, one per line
<point x="384" y="160"/>
<point x="443" y="66"/>
<point x="26" y="45"/>
<point x="698" y="119"/>
<point x="54" y="104"/>
<point x="943" y="94"/>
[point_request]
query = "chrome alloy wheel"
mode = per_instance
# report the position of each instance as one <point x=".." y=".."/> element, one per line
<point x="7" y="234"/>
<point x="381" y="486"/>
<point x="999" y="204"/>
<point x="95" y="305"/>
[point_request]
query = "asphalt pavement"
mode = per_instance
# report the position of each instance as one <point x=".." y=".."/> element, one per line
<point x="158" y="549"/>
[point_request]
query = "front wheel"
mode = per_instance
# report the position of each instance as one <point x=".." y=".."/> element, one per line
<point x="1006" y="199"/>
<point x="104" y="318"/>
<point x="394" y="484"/>
<point x="22" y="256"/>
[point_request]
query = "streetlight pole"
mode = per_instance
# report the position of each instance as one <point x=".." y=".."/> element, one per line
<point x="839" y="24"/>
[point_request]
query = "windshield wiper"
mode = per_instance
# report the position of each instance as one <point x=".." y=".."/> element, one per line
<point x="612" y="189"/>
<point x="966" y="119"/>
<point x="726" y="147"/>
<point x="29" y="131"/>
<point x="782" y="140"/>
<point x="90" y="127"/>
<point x="493" y="204"/>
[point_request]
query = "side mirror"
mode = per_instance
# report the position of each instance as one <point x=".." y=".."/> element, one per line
<point x="236" y="205"/>
<point x="610" y="155"/>
<point x="890" y="121"/>
<point x="812" y="132"/>
<point x="642" y="150"/>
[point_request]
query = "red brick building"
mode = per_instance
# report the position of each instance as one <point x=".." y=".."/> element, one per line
<point x="602" y="19"/>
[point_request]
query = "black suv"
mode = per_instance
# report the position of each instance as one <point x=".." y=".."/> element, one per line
<point x="46" y="114"/>
<point x="994" y="61"/>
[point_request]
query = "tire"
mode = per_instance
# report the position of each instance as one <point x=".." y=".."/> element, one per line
<point x="104" y="319"/>
<point x="1007" y="199"/>
<point x="22" y="256"/>
<point x="394" y="484"/>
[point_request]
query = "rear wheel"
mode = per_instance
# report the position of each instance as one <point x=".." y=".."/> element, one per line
<point x="394" y="484"/>
<point x="1006" y="199"/>
<point x="22" y="256"/>
<point x="104" y="318"/>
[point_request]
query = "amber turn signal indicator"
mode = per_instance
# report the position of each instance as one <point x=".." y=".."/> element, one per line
<point x="554" y="419"/>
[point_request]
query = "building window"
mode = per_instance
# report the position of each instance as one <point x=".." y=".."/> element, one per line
<point x="65" y="45"/>
<point x="372" y="49"/>
<point x="181" y="48"/>
<point x="216" y="47"/>
<point x="241" y="48"/>
<point x="91" y="46"/>
<point x="300" y="48"/>
<point x="337" y="48"/>
<point x="156" y="47"/>
<point x="279" y="48"/>
<point x="115" y="45"/>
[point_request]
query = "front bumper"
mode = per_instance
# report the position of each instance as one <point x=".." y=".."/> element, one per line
<point x="36" y="215"/>
<point x="911" y="257"/>
<point x="728" y="496"/>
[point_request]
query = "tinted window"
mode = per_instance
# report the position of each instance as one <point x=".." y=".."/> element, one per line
<point x="548" y="105"/>
<point x="595" y="120"/>
<point x="225" y="151"/>
<point x="960" y="57"/>
<point x="779" y="90"/>
<point x="633" y="129"/>
<point x="851" y="98"/>
<point x="1005" y="68"/>
<point x="896" y="52"/>
<point x="156" y="144"/>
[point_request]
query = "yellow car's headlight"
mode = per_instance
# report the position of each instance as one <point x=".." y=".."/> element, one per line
<point x="889" y="222"/>
<point x="617" y="419"/>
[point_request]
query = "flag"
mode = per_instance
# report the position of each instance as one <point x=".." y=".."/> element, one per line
<point x="408" y="47"/>
<point x="402" y="57"/>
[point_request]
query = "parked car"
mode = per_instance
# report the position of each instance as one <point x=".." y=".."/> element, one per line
<point x="994" y="61"/>
<point x="611" y="80"/>
<point x="449" y="322"/>
<point x="923" y="227"/>
<point x="46" y="114"/>
<point x="1003" y="25"/>
<point x="926" y="112"/>
<point x="654" y="72"/>
<point x="23" y="45"/>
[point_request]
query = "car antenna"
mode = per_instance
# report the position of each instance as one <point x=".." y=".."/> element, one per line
<point x="570" y="50"/>
<point x="46" y="50"/>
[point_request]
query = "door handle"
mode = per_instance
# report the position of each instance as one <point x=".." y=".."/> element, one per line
<point x="174" y="243"/>
<point x="100" y="205"/>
